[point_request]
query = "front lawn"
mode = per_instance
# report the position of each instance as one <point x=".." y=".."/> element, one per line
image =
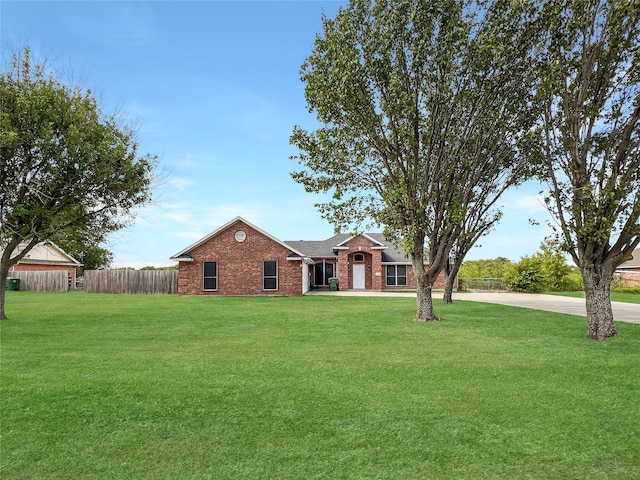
<point x="166" y="387"/>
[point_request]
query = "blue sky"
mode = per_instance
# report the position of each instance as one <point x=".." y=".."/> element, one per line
<point x="214" y="90"/>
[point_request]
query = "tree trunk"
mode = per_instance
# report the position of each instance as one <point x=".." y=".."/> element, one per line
<point x="4" y="273"/>
<point x="597" y="287"/>
<point x="424" y="300"/>
<point x="451" y="274"/>
<point x="447" y="298"/>
<point x="424" y="306"/>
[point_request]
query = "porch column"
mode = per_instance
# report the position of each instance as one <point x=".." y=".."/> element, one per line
<point x="343" y="270"/>
<point x="377" y="274"/>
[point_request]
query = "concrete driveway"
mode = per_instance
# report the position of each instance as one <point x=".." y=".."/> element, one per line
<point x="622" y="312"/>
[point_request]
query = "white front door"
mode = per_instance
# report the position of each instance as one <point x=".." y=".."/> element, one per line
<point x="358" y="275"/>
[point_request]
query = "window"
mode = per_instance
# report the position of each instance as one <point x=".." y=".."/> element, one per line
<point x="396" y="275"/>
<point x="358" y="257"/>
<point x="270" y="275"/>
<point x="323" y="271"/>
<point x="210" y="275"/>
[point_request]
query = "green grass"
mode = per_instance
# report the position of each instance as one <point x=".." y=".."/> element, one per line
<point x="615" y="296"/>
<point x="167" y="387"/>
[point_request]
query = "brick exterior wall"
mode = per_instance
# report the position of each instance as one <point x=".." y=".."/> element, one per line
<point x="32" y="267"/>
<point x="630" y="278"/>
<point x="240" y="265"/>
<point x="375" y="273"/>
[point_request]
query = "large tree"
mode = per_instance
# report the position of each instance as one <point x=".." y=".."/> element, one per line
<point x="65" y="166"/>
<point x="591" y="144"/>
<point x="88" y="247"/>
<point x="422" y="107"/>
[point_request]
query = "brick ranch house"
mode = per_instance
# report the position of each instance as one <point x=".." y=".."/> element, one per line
<point x="241" y="259"/>
<point x="629" y="271"/>
<point x="46" y="257"/>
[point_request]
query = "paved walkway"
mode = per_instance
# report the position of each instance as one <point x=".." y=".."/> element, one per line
<point x="622" y="312"/>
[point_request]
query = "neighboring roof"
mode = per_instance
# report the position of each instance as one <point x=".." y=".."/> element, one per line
<point x="327" y="248"/>
<point x="46" y="253"/>
<point x="634" y="263"/>
<point x="183" y="254"/>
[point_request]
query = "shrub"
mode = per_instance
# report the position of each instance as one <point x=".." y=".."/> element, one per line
<point x="525" y="276"/>
<point x="495" y="268"/>
<point x="573" y="281"/>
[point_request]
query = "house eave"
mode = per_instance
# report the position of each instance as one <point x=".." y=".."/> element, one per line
<point x="182" y="258"/>
<point x="306" y="260"/>
<point x="48" y="262"/>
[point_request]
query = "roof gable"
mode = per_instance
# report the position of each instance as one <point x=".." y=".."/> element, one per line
<point x="376" y="243"/>
<point x="46" y="253"/>
<point x="184" y="254"/>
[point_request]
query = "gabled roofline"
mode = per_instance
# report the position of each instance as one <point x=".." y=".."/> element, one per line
<point x="224" y="227"/>
<point x="341" y="244"/>
<point x="79" y="264"/>
<point x="371" y="239"/>
<point x="378" y="245"/>
<point x="45" y="243"/>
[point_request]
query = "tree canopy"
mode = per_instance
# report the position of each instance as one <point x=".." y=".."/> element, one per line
<point x="88" y="247"/>
<point x="65" y="166"/>
<point x="424" y="107"/>
<point x="590" y="103"/>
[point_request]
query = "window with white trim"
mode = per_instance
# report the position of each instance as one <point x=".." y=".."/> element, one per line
<point x="396" y="275"/>
<point x="270" y="275"/>
<point x="210" y="275"/>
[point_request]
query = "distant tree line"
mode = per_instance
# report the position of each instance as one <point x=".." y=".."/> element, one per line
<point x="545" y="271"/>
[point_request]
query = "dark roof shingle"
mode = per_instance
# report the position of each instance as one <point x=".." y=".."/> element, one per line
<point x="326" y="248"/>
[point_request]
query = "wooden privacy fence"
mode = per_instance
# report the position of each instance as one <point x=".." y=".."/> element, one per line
<point x="147" y="282"/>
<point x="44" y="281"/>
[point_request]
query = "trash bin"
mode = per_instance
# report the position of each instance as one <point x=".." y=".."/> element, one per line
<point x="13" y="284"/>
<point x="333" y="284"/>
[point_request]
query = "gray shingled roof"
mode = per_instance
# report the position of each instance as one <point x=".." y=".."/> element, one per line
<point x="325" y="248"/>
<point x="318" y="248"/>
<point x="634" y="262"/>
<point x="391" y="253"/>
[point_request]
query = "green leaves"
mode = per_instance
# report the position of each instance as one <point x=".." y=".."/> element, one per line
<point x="65" y="165"/>
<point x="422" y="106"/>
<point x="592" y="108"/>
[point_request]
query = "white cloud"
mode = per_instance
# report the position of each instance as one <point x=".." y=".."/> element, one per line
<point x="529" y="203"/>
<point x="189" y="235"/>
<point x="180" y="184"/>
<point x="187" y="161"/>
